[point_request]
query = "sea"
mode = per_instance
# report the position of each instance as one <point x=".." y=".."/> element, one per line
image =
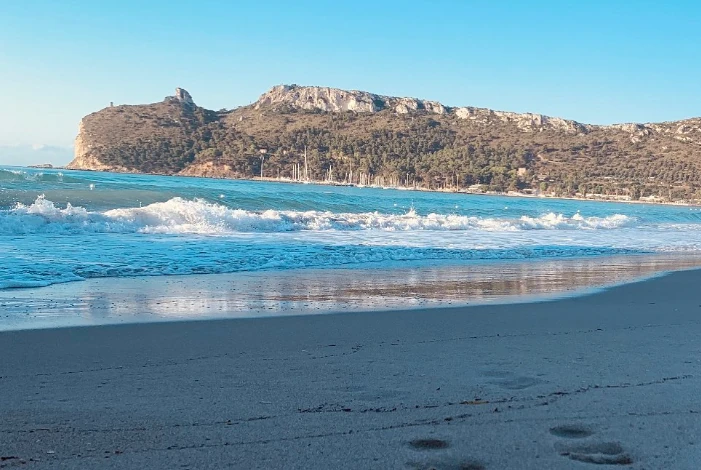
<point x="81" y="247"/>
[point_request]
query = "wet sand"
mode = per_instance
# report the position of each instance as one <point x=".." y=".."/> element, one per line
<point x="103" y="301"/>
<point x="609" y="378"/>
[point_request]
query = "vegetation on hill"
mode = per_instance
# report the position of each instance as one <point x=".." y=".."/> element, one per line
<point x="419" y="148"/>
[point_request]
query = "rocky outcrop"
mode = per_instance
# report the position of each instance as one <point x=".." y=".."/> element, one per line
<point x="184" y="97"/>
<point x="526" y="122"/>
<point x="688" y="130"/>
<point x="323" y="99"/>
<point x="84" y="157"/>
<point x="335" y="100"/>
<point x="136" y="130"/>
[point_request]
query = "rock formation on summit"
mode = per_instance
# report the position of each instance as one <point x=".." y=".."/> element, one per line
<point x="184" y="97"/>
<point x="335" y="100"/>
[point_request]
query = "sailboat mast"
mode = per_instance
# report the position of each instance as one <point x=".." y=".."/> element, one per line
<point x="306" y="168"/>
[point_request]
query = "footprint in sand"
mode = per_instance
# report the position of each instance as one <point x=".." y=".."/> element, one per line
<point x="571" y="431"/>
<point x="598" y="453"/>
<point x="430" y="444"/>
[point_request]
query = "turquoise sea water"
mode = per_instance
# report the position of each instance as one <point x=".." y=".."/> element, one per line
<point x="58" y="226"/>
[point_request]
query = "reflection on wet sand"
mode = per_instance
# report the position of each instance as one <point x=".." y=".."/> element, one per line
<point x="100" y="301"/>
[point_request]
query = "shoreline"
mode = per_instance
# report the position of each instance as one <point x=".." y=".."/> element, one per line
<point x="609" y="378"/>
<point x="396" y="188"/>
<point x="312" y="292"/>
<point x="514" y="194"/>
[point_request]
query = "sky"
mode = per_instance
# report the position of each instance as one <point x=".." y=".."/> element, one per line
<point x="596" y="61"/>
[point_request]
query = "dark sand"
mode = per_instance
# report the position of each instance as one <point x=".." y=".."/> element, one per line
<point x="611" y="378"/>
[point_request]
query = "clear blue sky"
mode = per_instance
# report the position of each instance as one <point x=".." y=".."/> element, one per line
<point x="593" y="61"/>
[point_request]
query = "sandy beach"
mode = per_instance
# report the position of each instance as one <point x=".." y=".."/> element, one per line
<point x="609" y="378"/>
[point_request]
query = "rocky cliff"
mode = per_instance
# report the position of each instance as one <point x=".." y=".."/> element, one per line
<point x="361" y="137"/>
<point x="335" y="100"/>
<point x="122" y="138"/>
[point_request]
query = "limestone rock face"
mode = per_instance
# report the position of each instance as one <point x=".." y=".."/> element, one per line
<point x="434" y="107"/>
<point x="688" y="130"/>
<point x="80" y="148"/>
<point x="84" y="157"/>
<point x="321" y="98"/>
<point x="184" y="97"/>
<point x="335" y="100"/>
<point x="465" y="113"/>
<point x="406" y="105"/>
<point x="526" y="122"/>
<point x="629" y="127"/>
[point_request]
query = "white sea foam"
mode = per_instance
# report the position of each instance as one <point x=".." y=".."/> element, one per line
<point x="20" y="281"/>
<point x="182" y="216"/>
<point x="121" y="242"/>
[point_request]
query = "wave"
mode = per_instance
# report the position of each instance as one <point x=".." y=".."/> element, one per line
<point x="65" y="259"/>
<point x="37" y="176"/>
<point x="21" y="281"/>
<point x="182" y="216"/>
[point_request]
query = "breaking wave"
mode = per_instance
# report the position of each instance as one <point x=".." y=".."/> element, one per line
<point x="198" y="216"/>
<point x="7" y="175"/>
